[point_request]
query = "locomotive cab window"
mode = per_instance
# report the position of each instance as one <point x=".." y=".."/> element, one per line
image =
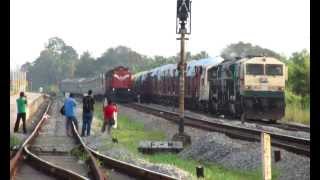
<point x="254" y="69"/>
<point x="274" y="69"/>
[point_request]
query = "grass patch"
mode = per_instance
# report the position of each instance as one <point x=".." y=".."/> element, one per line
<point x="297" y="108"/>
<point x="79" y="153"/>
<point x="14" y="141"/>
<point x="129" y="133"/>
<point x="211" y="171"/>
<point x="295" y="113"/>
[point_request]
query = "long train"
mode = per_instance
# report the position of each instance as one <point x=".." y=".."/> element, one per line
<point x="249" y="88"/>
<point x="115" y="84"/>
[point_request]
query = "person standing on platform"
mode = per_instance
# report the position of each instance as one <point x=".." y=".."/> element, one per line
<point x="87" y="113"/>
<point x="69" y="108"/>
<point x="22" y="106"/>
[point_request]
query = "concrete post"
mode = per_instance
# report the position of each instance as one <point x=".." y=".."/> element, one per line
<point x="266" y="156"/>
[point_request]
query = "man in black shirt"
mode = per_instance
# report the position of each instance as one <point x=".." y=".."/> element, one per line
<point x="87" y="113"/>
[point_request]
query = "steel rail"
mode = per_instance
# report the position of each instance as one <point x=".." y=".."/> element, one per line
<point x="290" y="143"/>
<point x="17" y="157"/>
<point x="297" y="127"/>
<point x="50" y="168"/>
<point x="92" y="160"/>
<point x="130" y="169"/>
<point x="47" y="166"/>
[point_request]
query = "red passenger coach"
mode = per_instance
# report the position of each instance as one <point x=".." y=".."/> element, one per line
<point x="118" y="84"/>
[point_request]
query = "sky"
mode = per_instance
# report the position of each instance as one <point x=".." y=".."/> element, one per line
<point x="148" y="26"/>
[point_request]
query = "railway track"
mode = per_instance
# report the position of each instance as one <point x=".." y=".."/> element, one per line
<point x="290" y="143"/>
<point x="277" y="124"/>
<point x="46" y="153"/>
<point x="49" y="154"/>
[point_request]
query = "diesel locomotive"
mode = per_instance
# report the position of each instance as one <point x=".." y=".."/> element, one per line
<point x="115" y="84"/>
<point x="250" y="88"/>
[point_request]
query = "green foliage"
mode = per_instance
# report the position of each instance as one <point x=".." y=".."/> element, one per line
<point x="299" y="73"/>
<point x="297" y="108"/>
<point x="294" y="113"/>
<point x="86" y="66"/>
<point x="79" y="153"/>
<point x="298" y="88"/>
<point x="56" y="62"/>
<point x="302" y="101"/>
<point x="242" y="49"/>
<point x="200" y="55"/>
<point x="14" y="141"/>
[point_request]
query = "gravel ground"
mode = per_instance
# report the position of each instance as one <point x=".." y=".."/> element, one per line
<point x="237" y="122"/>
<point x="220" y="149"/>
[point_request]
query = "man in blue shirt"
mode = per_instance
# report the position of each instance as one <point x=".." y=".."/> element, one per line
<point x="69" y="108"/>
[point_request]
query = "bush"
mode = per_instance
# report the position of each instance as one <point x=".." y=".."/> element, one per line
<point x="297" y="108"/>
<point x="300" y="101"/>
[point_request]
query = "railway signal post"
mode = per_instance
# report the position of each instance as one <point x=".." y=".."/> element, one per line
<point x="183" y="27"/>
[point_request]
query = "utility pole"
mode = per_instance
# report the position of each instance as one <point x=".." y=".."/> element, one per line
<point x="183" y="19"/>
<point x="181" y="68"/>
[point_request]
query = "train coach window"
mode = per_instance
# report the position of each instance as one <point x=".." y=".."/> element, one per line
<point x="254" y="69"/>
<point x="274" y="69"/>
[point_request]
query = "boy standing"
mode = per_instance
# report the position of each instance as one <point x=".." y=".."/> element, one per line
<point x="21" y="103"/>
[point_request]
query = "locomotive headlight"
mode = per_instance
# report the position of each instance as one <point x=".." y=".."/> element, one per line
<point x="129" y="89"/>
<point x="280" y="88"/>
<point x="112" y="89"/>
<point x="248" y="87"/>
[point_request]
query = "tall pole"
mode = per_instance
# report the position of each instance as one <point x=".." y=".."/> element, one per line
<point x="181" y="85"/>
<point x="183" y="19"/>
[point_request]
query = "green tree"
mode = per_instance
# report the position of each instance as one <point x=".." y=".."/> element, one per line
<point x="200" y="55"/>
<point x="56" y="62"/>
<point x="299" y="73"/>
<point x="242" y="49"/>
<point x="86" y="66"/>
